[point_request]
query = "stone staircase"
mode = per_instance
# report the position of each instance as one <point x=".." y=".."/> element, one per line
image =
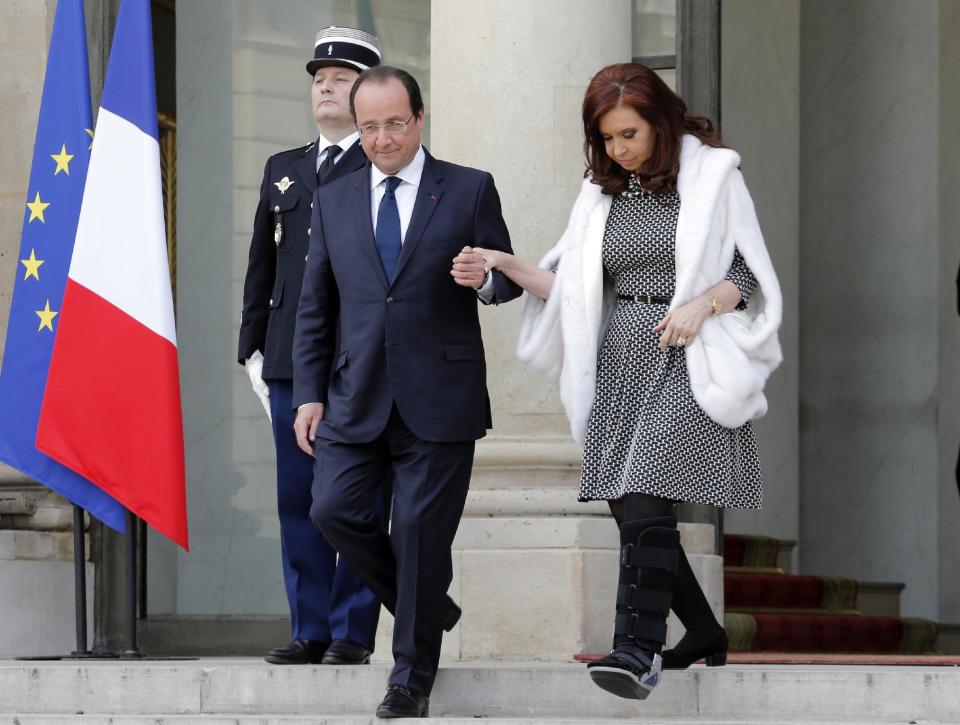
<point x="247" y="691"/>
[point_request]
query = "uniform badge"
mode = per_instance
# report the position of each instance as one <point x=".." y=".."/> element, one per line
<point x="329" y="50"/>
<point x="284" y="184"/>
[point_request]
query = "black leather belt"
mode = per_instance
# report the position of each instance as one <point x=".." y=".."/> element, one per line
<point x="646" y="299"/>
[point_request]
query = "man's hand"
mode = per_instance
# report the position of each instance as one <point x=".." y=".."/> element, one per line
<point x="469" y="269"/>
<point x="305" y="426"/>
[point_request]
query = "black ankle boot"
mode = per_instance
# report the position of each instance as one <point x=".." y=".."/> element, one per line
<point x="648" y="564"/>
<point x="704" y="638"/>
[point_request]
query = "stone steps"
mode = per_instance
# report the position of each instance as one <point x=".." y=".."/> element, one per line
<point x="370" y="720"/>
<point x="250" y="691"/>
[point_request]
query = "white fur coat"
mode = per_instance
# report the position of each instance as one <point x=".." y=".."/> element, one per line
<point x="732" y="357"/>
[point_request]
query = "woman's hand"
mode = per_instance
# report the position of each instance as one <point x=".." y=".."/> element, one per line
<point x="682" y="325"/>
<point x="493" y="258"/>
<point x="534" y="280"/>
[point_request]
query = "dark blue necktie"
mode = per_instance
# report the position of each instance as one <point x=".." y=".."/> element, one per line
<point x="387" y="232"/>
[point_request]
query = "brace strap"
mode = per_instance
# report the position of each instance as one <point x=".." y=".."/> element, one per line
<point x="647" y="600"/>
<point x="649" y="556"/>
<point x="640" y="627"/>
<point x="638" y="660"/>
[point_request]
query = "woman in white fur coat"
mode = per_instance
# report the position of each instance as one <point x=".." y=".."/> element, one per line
<point x="658" y="311"/>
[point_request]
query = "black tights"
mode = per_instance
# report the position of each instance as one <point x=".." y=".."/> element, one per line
<point x="689" y="603"/>
<point x="639" y="506"/>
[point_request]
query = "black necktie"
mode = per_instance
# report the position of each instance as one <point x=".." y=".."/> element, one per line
<point x="328" y="163"/>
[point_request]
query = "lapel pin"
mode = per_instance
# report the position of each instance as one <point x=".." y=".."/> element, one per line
<point x="433" y="197"/>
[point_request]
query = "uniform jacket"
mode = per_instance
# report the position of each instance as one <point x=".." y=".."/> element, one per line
<point x="275" y="271"/>
<point x="363" y="343"/>
<point x="730" y="359"/>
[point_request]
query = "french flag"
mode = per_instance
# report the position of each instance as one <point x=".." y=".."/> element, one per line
<point x="111" y="408"/>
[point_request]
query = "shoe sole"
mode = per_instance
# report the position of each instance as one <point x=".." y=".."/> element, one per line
<point x="344" y="663"/>
<point x="626" y="684"/>
<point x="287" y="661"/>
<point x="392" y="715"/>
<point x="618" y="682"/>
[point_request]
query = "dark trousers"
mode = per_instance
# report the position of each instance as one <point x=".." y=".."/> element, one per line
<point x="327" y="599"/>
<point x="411" y="568"/>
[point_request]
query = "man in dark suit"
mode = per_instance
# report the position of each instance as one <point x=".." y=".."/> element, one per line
<point x="333" y="615"/>
<point x="389" y="370"/>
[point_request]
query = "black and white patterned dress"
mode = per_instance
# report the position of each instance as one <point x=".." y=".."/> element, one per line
<point x="646" y="432"/>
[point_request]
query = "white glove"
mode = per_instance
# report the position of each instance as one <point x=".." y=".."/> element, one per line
<point x="254" y="365"/>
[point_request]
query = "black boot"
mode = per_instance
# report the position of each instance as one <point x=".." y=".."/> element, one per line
<point x="704" y="638"/>
<point x="649" y="557"/>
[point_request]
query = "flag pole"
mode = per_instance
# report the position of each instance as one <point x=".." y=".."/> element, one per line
<point x="80" y="581"/>
<point x="131" y="649"/>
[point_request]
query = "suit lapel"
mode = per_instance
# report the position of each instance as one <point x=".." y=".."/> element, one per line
<point x="306" y="168"/>
<point x="364" y="216"/>
<point x="428" y="198"/>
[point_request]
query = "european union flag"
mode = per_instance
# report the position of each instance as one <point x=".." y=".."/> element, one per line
<point x="61" y="152"/>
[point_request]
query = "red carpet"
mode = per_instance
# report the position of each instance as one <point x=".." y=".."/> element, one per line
<point x="781" y="591"/>
<point x="768" y="611"/>
<point x="828" y="633"/>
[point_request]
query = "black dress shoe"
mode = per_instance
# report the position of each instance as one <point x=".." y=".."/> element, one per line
<point x="403" y="701"/>
<point x="711" y="647"/>
<point x="451" y="616"/>
<point x="298" y="652"/>
<point x="342" y="652"/>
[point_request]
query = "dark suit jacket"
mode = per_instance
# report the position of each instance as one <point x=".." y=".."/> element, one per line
<point x="274" y="273"/>
<point x="363" y="343"/>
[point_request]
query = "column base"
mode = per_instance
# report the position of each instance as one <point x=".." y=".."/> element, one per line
<point x="543" y="588"/>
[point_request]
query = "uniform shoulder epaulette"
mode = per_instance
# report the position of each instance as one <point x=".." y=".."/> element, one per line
<point x="294" y="152"/>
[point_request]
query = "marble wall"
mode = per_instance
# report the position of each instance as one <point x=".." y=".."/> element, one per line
<point x="870" y="385"/>
<point x="948" y="323"/>
<point x="760" y="112"/>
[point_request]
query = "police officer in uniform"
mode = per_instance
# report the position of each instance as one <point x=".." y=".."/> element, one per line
<point x="333" y="615"/>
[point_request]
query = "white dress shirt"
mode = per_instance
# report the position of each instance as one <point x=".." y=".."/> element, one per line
<point x="406" y="194"/>
<point x="344" y="144"/>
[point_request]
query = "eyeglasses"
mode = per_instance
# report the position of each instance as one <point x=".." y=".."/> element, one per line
<point x="392" y="128"/>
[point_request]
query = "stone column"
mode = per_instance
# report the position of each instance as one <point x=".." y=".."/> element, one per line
<point x="535" y="570"/>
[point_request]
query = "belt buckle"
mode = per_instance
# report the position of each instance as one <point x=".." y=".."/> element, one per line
<point x="643" y="299"/>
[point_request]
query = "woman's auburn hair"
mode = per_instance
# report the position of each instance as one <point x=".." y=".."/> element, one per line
<point x="639" y="88"/>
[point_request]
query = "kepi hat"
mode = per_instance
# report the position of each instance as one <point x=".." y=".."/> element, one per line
<point x="348" y="47"/>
